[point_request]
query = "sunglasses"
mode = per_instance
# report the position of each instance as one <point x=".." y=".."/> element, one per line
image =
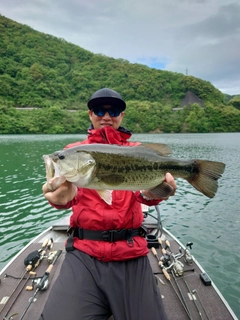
<point x="101" y="111"/>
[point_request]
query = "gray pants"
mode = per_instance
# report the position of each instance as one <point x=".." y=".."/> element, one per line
<point x="89" y="289"/>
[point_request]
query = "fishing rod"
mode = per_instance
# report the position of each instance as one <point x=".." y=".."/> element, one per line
<point x="177" y="267"/>
<point x="31" y="273"/>
<point x="43" y="283"/>
<point x="160" y="263"/>
<point x="167" y="276"/>
<point x="32" y="259"/>
<point x="184" y="303"/>
<point x="195" y="303"/>
<point x="194" y="291"/>
<point x="31" y="262"/>
<point x="165" y="256"/>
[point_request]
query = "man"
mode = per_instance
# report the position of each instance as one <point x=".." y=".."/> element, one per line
<point x="105" y="272"/>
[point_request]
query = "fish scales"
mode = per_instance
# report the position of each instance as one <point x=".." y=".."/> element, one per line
<point x="135" y="169"/>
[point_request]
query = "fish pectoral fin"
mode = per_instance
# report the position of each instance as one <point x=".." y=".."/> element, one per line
<point x="111" y="179"/>
<point x="163" y="190"/>
<point x="106" y="195"/>
<point x="161" y="148"/>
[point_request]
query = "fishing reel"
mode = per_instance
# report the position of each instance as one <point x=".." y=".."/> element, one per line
<point x="51" y="256"/>
<point x="32" y="260"/>
<point x="176" y="265"/>
<point x="178" y="268"/>
<point x="188" y="258"/>
<point x="166" y="259"/>
<point x="41" y="285"/>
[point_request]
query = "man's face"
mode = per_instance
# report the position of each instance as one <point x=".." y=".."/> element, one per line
<point x="106" y="115"/>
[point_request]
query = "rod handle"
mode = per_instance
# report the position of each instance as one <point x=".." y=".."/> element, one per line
<point x="166" y="274"/>
<point x="164" y="251"/>
<point x="50" y="244"/>
<point x="29" y="288"/>
<point x="154" y="251"/>
<point x="168" y="244"/>
<point x="49" y="269"/>
<point x="29" y="267"/>
<point x="45" y="243"/>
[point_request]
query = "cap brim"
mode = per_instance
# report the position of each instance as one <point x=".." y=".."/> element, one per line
<point x="115" y="102"/>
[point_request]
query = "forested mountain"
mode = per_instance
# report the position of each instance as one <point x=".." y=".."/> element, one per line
<point x="39" y="70"/>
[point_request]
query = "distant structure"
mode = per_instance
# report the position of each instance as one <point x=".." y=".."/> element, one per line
<point x="186" y="71"/>
<point x="190" y="98"/>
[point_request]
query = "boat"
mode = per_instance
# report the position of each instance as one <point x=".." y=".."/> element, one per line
<point x="187" y="291"/>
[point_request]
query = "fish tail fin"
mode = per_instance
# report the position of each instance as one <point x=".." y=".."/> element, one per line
<point x="205" y="178"/>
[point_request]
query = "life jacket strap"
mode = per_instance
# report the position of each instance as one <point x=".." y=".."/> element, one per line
<point x="106" y="235"/>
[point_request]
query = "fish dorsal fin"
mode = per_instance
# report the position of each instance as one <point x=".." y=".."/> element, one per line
<point x="106" y="195"/>
<point x="161" y="148"/>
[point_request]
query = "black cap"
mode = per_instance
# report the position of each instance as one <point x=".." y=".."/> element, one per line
<point x="106" y="96"/>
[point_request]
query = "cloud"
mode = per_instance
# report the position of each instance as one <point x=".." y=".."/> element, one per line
<point x="201" y="35"/>
<point x="213" y="52"/>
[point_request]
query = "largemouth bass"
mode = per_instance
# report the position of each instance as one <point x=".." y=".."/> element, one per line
<point x="105" y="167"/>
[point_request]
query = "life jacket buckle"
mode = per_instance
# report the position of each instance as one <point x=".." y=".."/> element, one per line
<point x="109" y="235"/>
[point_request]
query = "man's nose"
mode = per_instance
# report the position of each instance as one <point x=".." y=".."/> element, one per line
<point x="107" y="116"/>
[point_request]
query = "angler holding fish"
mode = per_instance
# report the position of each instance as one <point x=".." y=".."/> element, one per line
<point x="104" y="179"/>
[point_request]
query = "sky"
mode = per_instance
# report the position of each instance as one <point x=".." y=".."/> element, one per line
<point x="197" y="37"/>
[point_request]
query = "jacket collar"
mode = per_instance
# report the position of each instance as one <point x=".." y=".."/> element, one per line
<point x="108" y="135"/>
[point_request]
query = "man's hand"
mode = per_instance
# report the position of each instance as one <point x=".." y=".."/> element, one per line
<point x="62" y="195"/>
<point x="170" y="181"/>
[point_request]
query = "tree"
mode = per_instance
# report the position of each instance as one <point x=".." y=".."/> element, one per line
<point x="235" y="102"/>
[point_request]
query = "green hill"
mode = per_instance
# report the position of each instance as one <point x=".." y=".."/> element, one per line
<point x="39" y="70"/>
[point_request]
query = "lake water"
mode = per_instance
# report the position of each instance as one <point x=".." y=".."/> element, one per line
<point x="211" y="224"/>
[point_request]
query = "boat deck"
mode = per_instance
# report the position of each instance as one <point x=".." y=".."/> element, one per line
<point x="204" y="304"/>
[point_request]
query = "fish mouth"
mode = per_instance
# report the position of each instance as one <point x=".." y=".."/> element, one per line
<point x="50" y="169"/>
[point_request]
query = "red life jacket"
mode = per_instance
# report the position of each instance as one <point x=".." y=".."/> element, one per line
<point x="92" y="213"/>
<point x="107" y="135"/>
